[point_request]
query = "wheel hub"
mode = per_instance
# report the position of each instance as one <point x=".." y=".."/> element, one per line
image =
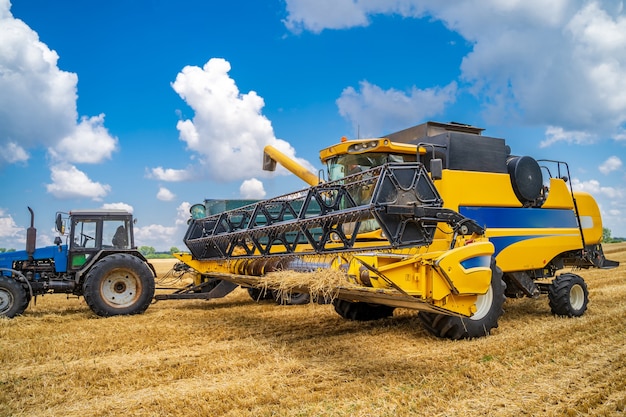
<point x="6" y="300"/>
<point x="120" y="289"/>
<point x="483" y="304"/>
<point x="577" y="297"/>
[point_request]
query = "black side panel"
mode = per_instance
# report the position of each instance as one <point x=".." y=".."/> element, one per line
<point x="466" y="152"/>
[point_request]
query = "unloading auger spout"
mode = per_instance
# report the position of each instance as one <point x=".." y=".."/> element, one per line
<point x="400" y="199"/>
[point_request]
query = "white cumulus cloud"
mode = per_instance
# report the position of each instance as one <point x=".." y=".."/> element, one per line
<point x="38" y="100"/>
<point x="165" y="195"/>
<point x="228" y="131"/>
<point x="90" y="143"/>
<point x="560" y="63"/>
<point x="314" y="15"/>
<point x="376" y="111"/>
<point x="170" y="174"/>
<point x="38" y="110"/>
<point x="595" y="188"/>
<point x="556" y="134"/>
<point x="252" y="188"/>
<point x="182" y="213"/>
<point x="613" y="163"/>
<point x="155" y="235"/>
<point x="11" y="153"/>
<point x="163" y="237"/>
<point x="8" y="228"/>
<point x="118" y="206"/>
<point x="70" y="182"/>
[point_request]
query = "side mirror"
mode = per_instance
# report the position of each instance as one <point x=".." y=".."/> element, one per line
<point x="59" y="224"/>
<point x="436" y="169"/>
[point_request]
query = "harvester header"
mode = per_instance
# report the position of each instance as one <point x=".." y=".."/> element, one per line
<point x="330" y="216"/>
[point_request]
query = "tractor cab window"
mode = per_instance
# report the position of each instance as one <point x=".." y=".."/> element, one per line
<point x="115" y="233"/>
<point x="85" y="234"/>
<point x="344" y="165"/>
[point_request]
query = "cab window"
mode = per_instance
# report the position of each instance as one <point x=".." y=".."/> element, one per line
<point x="85" y="234"/>
<point x="115" y="233"/>
<point x="344" y="165"/>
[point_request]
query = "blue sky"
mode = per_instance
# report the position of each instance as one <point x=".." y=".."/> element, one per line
<point x="157" y="105"/>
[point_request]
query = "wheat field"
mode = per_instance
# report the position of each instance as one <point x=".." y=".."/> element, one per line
<point x="236" y="357"/>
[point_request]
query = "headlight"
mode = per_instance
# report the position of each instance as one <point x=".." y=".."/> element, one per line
<point x="362" y="146"/>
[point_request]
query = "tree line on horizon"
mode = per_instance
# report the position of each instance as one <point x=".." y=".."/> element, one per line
<point x="151" y="252"/>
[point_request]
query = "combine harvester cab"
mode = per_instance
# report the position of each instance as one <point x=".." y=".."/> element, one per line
<point x="436" y="218"/>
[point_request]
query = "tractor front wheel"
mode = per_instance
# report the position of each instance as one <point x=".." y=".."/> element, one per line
<point x="488" y="311"/>
<point x="119" y="284"/>
<point x="13" y="298"/>
<point x="568" y="295"/>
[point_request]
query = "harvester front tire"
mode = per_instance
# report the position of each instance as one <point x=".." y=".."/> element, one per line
<point x="568" y="295"/>
<point x="13" y="297"/>
<point x="361" y="311"/>
<point x="291" y="299"/>
<point x="489" y="310"/>
<point x="260" y="294"/>
<point x="119" y="284"/>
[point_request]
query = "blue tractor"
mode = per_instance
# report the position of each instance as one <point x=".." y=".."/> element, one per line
<point x="98" y="261"/>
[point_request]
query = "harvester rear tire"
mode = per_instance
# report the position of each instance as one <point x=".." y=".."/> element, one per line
<point x="13" y="297"/>
<point x="119" y="284"/>
<point x="568" y="295"/>
<point x="361" y="311"/>
<point x="481" y="323"/>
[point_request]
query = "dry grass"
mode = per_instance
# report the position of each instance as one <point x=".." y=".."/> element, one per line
<point x="321" y="284"/>
<point x="235" y="357"/>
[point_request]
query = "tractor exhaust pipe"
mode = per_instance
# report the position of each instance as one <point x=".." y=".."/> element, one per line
<point x="31" y="236"/>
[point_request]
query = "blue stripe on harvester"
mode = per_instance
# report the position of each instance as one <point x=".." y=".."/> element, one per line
<point x="520" y="218"/>
<point x="476" y="262"/>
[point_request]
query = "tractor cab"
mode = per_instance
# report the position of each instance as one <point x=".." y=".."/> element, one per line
<point x="92" y="231"/>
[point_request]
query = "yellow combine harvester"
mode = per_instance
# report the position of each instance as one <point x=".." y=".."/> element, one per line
<point x="437" y="218"/>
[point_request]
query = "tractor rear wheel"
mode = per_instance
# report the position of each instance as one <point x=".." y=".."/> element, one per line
<point x="13" y="298"/>
<point x="488" y="311"/>
<point x="119" y="284"/>
<point x="568" y="295"/>
<point x="361" y="311"/>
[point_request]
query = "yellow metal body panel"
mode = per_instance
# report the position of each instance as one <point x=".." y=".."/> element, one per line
<point x="468" y="188"/>
<point x="590" y="218"/>
<point x="468" y="268"/>
<point x="528" y="253"/>
<point x="449" y="279"/>
<point x="559" y="196"/>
